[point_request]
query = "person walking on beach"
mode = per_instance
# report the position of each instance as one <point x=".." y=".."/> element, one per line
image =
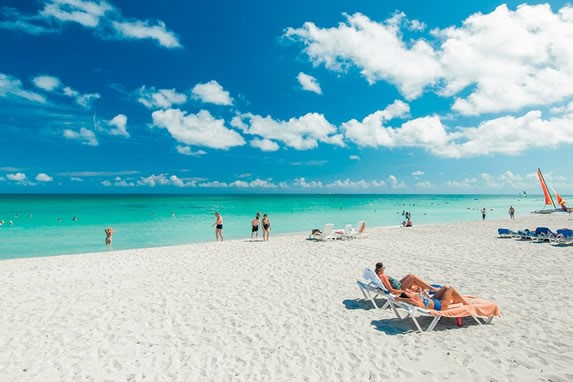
<point x="218" y="227"/>
<point x="255" y="227"/>
<point x="483" y="213"/>
<point x="511" y="212"/>
<point x="108" y="232"/>
<point x="266" y="227"/>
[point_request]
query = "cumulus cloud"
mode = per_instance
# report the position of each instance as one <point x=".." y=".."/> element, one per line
<point x="16" y="177"/>
<point x="85" y="136"/>
<point x="212" y="92"/>
<point x="308" y="82"/>
<point x="356" y="184"/>
<point x="43" y="177"/>
<point x="301" y="182"/>
<point x="118" y="124"/>
<point x="160" y="99"/>
<point x="166" y="180"/>
<point x="12" y="87"/>
<point x="147" y="30"/>
<point x="418" y="173"/>
<point x="199" y="129"/>
<point x="53" y="84"/>
<point x="354" y="157"/>
<point x="377" y="49"/>
<point x="302" y="133"/>
<point x="264" y="144"/>
<point x="500" y="61"/>
<point x="105" y="19"/>
<point x="186" y="150"/>
<point x="47" y="83"/>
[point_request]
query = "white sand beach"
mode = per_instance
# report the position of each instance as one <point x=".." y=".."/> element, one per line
<point x="289" y="310"/>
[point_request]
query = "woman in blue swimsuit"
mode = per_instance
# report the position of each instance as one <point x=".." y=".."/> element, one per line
<point x="439" y="301"/>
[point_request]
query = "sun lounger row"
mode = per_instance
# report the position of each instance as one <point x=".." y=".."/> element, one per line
<point x="347" y="233"/>
<point x="480" y="310"/>
<point x="561" y="236"/>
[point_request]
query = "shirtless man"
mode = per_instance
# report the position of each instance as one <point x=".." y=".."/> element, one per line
<point x="219" y="227"/>
<point x="108" y="232"/>
<point x="255" y="227"/>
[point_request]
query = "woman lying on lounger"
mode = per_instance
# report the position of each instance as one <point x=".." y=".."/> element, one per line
<point x="439" y="301"/>
<point x="398" y="286"/>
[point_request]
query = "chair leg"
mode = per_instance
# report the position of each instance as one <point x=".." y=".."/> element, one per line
<point x="433" y="323"/>
<point x="417" y="324"/>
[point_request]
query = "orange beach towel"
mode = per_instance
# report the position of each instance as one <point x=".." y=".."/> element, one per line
<point x="477" y="307"/>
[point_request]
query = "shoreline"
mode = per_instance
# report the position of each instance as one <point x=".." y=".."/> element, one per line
<point x="288" y="310"/>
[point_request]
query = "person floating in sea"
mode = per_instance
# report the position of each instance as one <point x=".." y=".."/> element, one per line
<point x="108" y="233"/>
<point x="219" y="227"/>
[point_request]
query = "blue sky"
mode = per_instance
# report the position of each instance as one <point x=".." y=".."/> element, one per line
<point x="286" y="96"/>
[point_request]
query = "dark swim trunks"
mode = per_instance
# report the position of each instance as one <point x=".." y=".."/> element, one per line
<point x="255" y="228"/>
<point x="219" y="226"/>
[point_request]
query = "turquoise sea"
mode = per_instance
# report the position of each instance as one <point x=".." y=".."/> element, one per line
<point x="158" y="220"/>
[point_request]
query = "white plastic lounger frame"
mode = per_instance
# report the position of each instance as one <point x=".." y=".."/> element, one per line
<point x="372" y="287"/>
<point x="414" y="311"/>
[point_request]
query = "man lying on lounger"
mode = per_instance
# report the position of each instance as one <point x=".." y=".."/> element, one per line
<point x="439" y="301"/>
<point x="396" y="287"/>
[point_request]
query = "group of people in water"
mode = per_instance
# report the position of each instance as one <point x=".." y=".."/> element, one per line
<point x="418" y="292"/>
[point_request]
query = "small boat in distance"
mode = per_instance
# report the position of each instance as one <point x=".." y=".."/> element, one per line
<point x="549" y="199"/>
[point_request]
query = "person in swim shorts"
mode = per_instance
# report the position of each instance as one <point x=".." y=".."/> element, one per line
<point x="255" y="227"/>
<point x="219" y="227"/>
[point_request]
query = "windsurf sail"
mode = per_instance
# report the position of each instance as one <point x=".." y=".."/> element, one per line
<point x="546" y="193"/>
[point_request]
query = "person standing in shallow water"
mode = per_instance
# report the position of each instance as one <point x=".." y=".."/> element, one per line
<point x="511" y="212"/>
<point x="108" y="233"/>
<point x="483" y="213"/>
<point x="266" y="227"/>
<point x="219" y="227"/>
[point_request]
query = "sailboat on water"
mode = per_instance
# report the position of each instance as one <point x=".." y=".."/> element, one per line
<point x="549" y="199"/>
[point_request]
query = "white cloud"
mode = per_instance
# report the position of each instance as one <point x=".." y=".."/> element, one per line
<point x="395" y="183"/>
<point x="43" y="177"/>
<point x="105" y="19"/>
<point x="501" y="61"/>
<point x="47" y="83"/>
<point x="302" y="133"/>
<point x="160" y="99"/>
<point x="418" y="173"/>
<point x="165" y="180"/>
<point x="214" y="184"/>
<point x="359" y="184"/>
<point x="147" y="30"/>
<point x="86" y="13"/>
<point x="377" y="49"/>
<point x="264" y="144"/>
<point x="257" y="183"/>
<point x="309" y="83"/>
<point x="466" y="183"/>
<point x="199" y="129"/>
<point x="12" y="87"/>
<point x="118" y="182"/>
<point x="84" y="100"/>
<point x="118" y="123"/>
<point x="212" y="92"/>
<point x="301" y="182"/>
<point x="186" y="150"/>
<point x="16" y="177"/>
<point x="354" y="157"/>
<point x="424" y="185"/>
<point x="85" y="136"/>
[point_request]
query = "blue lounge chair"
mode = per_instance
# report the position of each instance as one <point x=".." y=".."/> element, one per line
<point x="506" y="233"/>
<point x="543" y="234"/>
<point x="564" y="236"/>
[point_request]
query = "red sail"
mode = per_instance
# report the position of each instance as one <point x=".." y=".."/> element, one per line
<point x="548" y="198"/>
<point x="560" y="200"/>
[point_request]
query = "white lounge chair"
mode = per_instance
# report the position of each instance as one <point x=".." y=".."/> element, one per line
<point x="372" y="287"/>
<point x="475" y="310"/>
<point x="360" y="230"/>
<point x="349" y="232"/>
<point x="328" y="233"/>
